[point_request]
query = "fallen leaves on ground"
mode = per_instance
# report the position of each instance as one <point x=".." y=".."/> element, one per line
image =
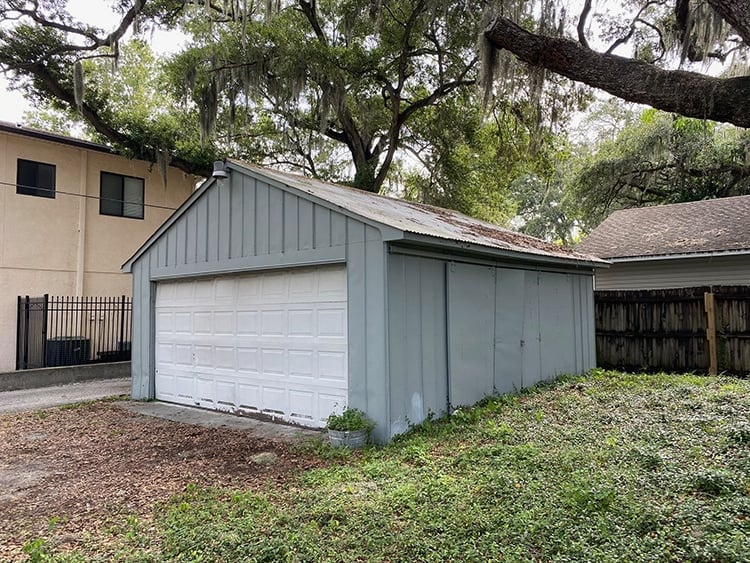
<point x="70" y="472"/>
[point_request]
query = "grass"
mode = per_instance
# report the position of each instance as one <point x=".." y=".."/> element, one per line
<point x="607" y="467"/>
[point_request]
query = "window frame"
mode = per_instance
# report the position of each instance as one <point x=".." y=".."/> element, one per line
<point x="36" y="190"/>
<point x="109" y="201"/>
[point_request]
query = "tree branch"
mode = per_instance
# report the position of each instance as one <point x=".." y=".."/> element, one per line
<point x="687" y="93"/>
<point x="94" y="119"/>
<point x="582" y="24"/>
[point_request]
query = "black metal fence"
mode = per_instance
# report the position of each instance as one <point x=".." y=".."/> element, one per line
<point x="66" y="331"/>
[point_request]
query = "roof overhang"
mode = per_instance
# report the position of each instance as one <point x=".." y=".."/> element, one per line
<point x="685" y="256"/>
<point x="425" y="241"/>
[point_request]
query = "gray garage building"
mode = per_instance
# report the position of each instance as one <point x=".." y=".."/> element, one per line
<point x="279" y="295"/>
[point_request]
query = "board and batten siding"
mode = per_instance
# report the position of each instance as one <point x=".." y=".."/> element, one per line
<point x="676" y="272"/>
<point x="245" y="224"/>
<point x="462" y="331"/>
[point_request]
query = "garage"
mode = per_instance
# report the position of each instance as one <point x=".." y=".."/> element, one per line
<point x="275" y="295"/>
<point x="271" y="343"/>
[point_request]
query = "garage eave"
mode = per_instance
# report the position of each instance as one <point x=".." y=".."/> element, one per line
<point x="526" y="256"/>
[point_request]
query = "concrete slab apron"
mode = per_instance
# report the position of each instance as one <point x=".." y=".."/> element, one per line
<point x="46" y="397"/>
<point x="212" y="419"/>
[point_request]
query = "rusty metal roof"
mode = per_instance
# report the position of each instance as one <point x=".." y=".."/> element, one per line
<point x="709" y="226"/>
<point x="420" y="219"/>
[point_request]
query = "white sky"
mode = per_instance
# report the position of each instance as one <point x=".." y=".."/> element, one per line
<point x="13" y="105"/>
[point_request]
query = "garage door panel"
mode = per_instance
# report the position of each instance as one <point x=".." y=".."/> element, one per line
<point x="248" y="323"/>
<point x="301" y="322"/>
<point x="301" y="363"/>
<point x="301" y="404"/>
<point x="248" y="396"/>
<point x="273" y="362"/>
<point x="226" y="392"/>
<point x="224" y="324"/>
<point x="202" y="323"/>
<point x="224" y="358"/>
<point x="332" y="323"/>
<point x="273" y="323"/>
<point x="247" y="360"/>
<point x="203" y="356"/>
<point x="274" y="399"/>
<point x="273" y="342"/>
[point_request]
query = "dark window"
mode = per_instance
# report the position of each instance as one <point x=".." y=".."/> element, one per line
<point x="121" y="196"/>
<point x="35" y="178"/>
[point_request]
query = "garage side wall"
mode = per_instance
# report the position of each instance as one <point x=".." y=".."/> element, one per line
<point x="244" y="224"/>
<point x="459" y="332"/>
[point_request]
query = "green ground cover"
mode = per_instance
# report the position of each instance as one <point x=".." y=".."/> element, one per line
<point x="606" y="467"/>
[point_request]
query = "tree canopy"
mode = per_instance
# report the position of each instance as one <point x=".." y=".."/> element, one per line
<point x="666" y="40"/>
<point x="658" y="158"/>
<point x="325" y="86"/>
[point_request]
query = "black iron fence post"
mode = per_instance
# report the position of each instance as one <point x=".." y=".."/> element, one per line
<point x="45" y="312"/>
<point x="121" y="341"/>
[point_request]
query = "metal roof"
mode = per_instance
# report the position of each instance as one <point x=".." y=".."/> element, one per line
<point x="420" y="219"/>
<point x="680" y="229"/>
<point x="433" y="226"/>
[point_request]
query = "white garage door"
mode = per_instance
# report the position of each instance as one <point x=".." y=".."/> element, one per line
<point x="272" y="343"/>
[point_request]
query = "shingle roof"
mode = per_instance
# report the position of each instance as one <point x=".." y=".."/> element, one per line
<point x="420" y="219"/>
<point x="716" y="225"/>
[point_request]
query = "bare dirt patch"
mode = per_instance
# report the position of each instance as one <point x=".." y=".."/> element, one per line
<point x="80" y="467"/>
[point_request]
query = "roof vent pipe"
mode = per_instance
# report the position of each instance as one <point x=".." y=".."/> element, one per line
<point x="219" y="170"/>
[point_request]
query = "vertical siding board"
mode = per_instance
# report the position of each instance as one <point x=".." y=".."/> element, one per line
<point x="262" y="218"/>
<point x="141" y="337"/>
<point x="376" y="350"/>
<point x="413" y="402"/>
<point x="531" y="372"/>
<point x="192" y="234"/>
<point x="213" y="222"/>
<point x="180" y="229"/>
<point x="433" y="336"/>
<point x="398" y="339"/>
<point x="355" y="231"/>
<point x="556" y="312"/>
<point x="276" y="221"/>
<point x="161" y="249"/>
<point x="225" y="220"/>
<point x="249" y="219"/>
<point x="322" y="227"/>
<point x="306" y="227"/>
<point x="171" y="237"/>
<point x="291" y="235"/>
<point x="418" y="375"/>
<point x="471" y="330"/>
<point x="237" y="205"/>
<point x="509" y="314"/>
<point x="338" y="229"/>
<point x="356" y="322"/>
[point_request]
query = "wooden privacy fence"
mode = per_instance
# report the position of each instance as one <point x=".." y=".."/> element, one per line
<point x="685" y="329"/>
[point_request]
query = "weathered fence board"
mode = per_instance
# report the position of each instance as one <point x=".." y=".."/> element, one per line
<point x="665" y="329"/>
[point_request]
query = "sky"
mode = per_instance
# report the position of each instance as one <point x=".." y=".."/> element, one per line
<point x="13" y="105"/>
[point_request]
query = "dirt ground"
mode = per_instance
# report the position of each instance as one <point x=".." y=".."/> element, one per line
<point x="78" y="467"/>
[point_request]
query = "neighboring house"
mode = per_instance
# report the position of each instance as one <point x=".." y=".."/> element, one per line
<point x="279" y="295"/>
<point x="70" y="212"/>
<point x="680" y="245"/>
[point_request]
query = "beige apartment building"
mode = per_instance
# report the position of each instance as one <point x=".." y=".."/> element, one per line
<point x="71" y="212"/>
